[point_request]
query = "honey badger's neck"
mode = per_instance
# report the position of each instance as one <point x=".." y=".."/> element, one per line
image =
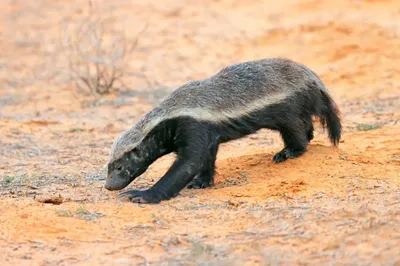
<point x="158" y="142"/>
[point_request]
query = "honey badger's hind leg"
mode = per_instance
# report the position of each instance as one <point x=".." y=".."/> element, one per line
<point x="308" y="125"/>
<point x="205" y="178"/>
<point x="295" y="138"/>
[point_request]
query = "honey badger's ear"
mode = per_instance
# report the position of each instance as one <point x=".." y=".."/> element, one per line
<point x="133" y="153"/>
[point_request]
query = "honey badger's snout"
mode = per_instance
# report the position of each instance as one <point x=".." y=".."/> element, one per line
<point x="116" y="183"/>
<point x="109" y="185"/>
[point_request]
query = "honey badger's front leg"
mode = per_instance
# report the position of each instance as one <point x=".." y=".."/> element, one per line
<point x="205" y="178"/>
<point x="178" y="176"/>
<point x="192" y="140"/>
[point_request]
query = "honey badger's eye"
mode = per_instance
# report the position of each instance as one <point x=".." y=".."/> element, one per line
<point x="119" y="168"/>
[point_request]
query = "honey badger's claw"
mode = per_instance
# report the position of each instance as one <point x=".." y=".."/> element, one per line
<point x="124" y="194"/>
<point x="137" y="196"/>
<point x="198" y="183"/>
<point x="286" y="153"/>
<point x="279" y="157"/>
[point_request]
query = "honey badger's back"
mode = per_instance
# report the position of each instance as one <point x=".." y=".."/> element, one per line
<point x="235" y="91"/>
<point x="242" y="87"/>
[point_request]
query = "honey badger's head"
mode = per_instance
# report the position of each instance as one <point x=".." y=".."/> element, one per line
<point x="127" y="160"/>
<point x="123" y="171"/>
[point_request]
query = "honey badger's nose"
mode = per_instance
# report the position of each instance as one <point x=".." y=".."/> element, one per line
<point x="107" y="185"/>
<point x="116" y="183"/>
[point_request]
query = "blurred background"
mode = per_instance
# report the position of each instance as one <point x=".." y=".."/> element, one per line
<point x="74" y="74"/>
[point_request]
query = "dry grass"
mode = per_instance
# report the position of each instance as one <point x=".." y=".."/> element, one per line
<point x="96" y="56"/>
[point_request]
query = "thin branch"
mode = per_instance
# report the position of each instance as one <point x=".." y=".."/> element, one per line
<point x="90" y="57"/>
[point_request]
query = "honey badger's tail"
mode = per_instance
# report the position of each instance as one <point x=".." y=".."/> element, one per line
<point x="329" y="116"/>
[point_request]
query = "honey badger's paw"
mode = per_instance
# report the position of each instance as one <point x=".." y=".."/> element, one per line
<point x="280" y="157"/>
<point x="140" y="196"/>
<point x="287" y="153"/>
<point x="198" y="183"/>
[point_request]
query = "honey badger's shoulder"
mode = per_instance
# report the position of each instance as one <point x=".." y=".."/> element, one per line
<point x="234" y="91"/>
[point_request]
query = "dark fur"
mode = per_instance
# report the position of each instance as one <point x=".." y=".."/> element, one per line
<point x="196" y="143"/>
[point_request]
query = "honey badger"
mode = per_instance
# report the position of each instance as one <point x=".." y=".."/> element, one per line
<point x="276" y="94"/>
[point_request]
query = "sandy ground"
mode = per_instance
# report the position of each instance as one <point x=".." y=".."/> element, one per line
<point x="332" y="206"/>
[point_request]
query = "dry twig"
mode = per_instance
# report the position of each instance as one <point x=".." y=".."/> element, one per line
<point x="96" y="59"/>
